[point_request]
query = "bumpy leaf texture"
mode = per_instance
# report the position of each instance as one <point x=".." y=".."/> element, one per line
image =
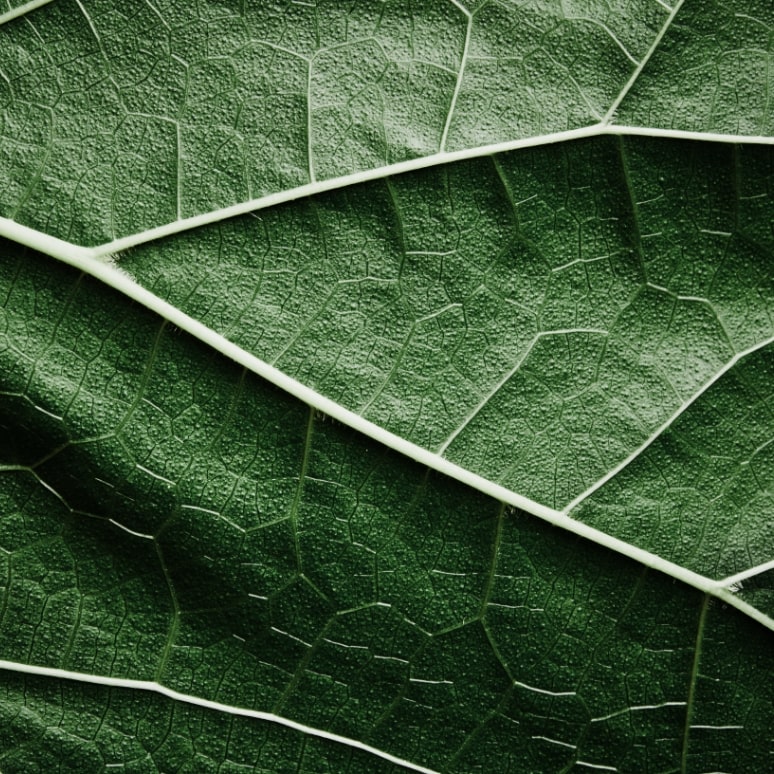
<point x="386" y="386"/>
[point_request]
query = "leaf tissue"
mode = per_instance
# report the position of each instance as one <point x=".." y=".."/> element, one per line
<point x="387" y="386"/>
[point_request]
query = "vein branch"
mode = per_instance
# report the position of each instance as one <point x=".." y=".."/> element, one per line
<point x="641" y="66"/>
<point x="460" y="77"/>
<point x="739" y="577"/>
<point x="21" y="10"/>
<point x="411" y="165"/>
<point x="659" y="431"/>
<point x="154" y="687"/>
<point x="692" y="684"/>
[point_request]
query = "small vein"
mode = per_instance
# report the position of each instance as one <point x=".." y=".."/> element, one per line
<point x="544" y="691"/>
<point x="460" y="77"/>
<point x="666" y="425"/>
<point x="609" y="33"/>
<point x="692" y="683"/>
<point x="620" y="44"/>
<point x="732" y="580"/>
<point x="641" y="66"/>
<point x="21" y="10"/>
<point x="555" y="741"/>
<point x="637" y="708"/>
<point x="717" y="728"/>
<point x="298" y="496"/>
<point x="170" y="693"/>
<point x="506" y="378"/>
<point x="179" y="175"/>
<point x="309" y="126"/>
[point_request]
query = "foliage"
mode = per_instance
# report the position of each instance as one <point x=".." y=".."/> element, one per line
<point x="406" y="401"/>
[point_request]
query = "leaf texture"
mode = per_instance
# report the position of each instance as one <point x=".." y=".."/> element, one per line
<point x="522" y="252"/>
<point x="186" y="523"/>
<point x="562" y="307"/>
<point x="117" y="116"/>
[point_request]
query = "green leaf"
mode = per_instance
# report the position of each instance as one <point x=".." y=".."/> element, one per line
<point x="118" y="117"/>
<point x="406" y="401"/>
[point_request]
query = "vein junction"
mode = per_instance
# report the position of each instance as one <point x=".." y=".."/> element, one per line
<point x="84" y="260"/>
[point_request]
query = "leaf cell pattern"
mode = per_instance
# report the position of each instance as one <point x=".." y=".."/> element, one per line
<point x="130" y="115"/>
<point x="385" y="603"/>
<point x="533" y="240"/>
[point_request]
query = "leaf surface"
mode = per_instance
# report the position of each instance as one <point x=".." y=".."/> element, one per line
<point x="183" y="522"/>
<point x="538" y="318"/>
<point x="120" y="117"/>
<point x="398" y="289"/>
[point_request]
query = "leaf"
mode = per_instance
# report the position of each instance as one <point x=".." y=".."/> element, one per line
<point x="278" y="479"/>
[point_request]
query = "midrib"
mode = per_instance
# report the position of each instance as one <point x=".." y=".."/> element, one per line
<point x="117" y="246"/>
<point x="153" y="687"/>
<point x="83" y="260"/>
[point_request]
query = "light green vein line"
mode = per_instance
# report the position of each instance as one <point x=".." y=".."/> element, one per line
<point x="175" y="623"/>
<point x="460" y="76"/>
<point x="106" y="251"/>
<point x="744" y="575"/>
<point x="335" y="184"/>
<point x="412" y="165"/>
<point x="505" y="378"/>
<point x="15" y="13"/>
<point x="610" y="115"/>
<point x="659" y="431"/>
<point x="692" y="684"/>
<point x="84" y="260"/>
<point x="310" y="123"/>
<point x="147" y="685"/>
<point x="296" y="504"/>
<point x="495" y="559"/>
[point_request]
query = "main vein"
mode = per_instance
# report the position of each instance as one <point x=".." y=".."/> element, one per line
<point x="21" y="10"/>
<point x="84" y="260"/>
<point x="10" y="228"/>
<point x="153" y="687"/>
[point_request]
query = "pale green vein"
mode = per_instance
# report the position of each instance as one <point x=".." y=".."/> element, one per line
<point x="460" y="75"/>
<point x="175" y="624"/>
<point x="111" y="249"/>
<point x="506" y="378"/>
<point x="733" y="580"/>
<point x="659" y="431"/>
<point x="692" y="684"/>
<point x="495" y="558"/>
<point x="610" y="115"/>
<point x="309" y="127"/>
<point x="111" y="276"/>
<point x="153" y="687"/>
<point x="296" y="504"/>
<point x="21" y="10"/>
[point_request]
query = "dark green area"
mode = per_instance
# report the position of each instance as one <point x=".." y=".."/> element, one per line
<point x="48" y="725"/>
<point x="281" y="562"/>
